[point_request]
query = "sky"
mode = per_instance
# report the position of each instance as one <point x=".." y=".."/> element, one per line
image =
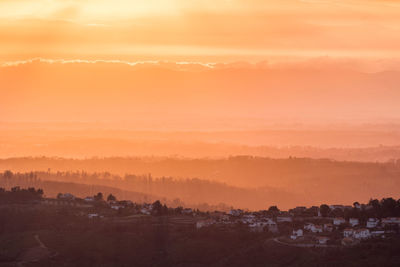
<point x="188" y="60"/>
<point x="203" y="30"/>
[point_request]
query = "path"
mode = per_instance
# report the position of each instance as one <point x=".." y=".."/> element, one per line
<point x="34" y="254"/>
<point x="304" y="245"/>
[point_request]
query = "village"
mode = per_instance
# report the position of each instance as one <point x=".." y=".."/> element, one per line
<point x="300" y="226"/>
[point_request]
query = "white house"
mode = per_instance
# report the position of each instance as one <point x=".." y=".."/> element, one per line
<point x="284" y="219"/>
<point x="328" y="227"/>
<point x="236" y="212"/>
<point x="66" y="196"/>
<point x="204" y="223"/>
<point x="93" y="215"/>
<point x="361" y="234"/>
<point x="348" y="232"/>
<point x="316" y="229"/>
<point x="117" y="206"/>
<point x="332" y="207"/>
<point x="248" y="218"/>
<point x="145" y="211"/>
<point x="89" y="199"/>
<point x="379" y="233"/>
<point x="322" y="240"/>
<point x="372" y="222"/>
<point x="339" y="221"/>
<point x="391" y="221"/>
<point x="354" y="221"/>
<point x="296" y="234"/>
<point x="187" y="211"/>
<point x="308" y="226"/>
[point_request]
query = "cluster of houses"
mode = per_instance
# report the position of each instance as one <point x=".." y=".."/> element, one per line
<point x="256" y="221"/>
<point x="317" y="229"/>
<point x="306" y="226"/>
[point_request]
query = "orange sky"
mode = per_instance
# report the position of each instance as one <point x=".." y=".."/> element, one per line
<point x="205" y="30"/>
<point x="298" y="58"/>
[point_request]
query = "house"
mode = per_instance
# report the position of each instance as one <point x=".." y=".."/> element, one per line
<point x="348" y="232"/>
<point x="66" y="196"/>
<point x="361" y="234"/>
<point x="117" y="206"/>
<point x="372" y="222"/>
<point x="296" y="234"/>
<point x="380" y="233"/>
<point x="257" y="226"/>
<point x="204" y="223"/>
<point x="146" y="210"/>
<point x="339" y="221"/>
<point x="89" y="199"/>
<point x="354" y="221"/>
<point x="236" y="213"/>
<point x="93" y="215"/>
<point x="187" y="211"/>
<point x="328" y="227"/>
<point x="248" y="218"/>
<point x="284" y="218"/>
<point x="322" y="240"/>
<point x="313" y="228"/>
<point x="317" y="229"/>
<point x="391" y="221"/>
<point x="308" y="226"/>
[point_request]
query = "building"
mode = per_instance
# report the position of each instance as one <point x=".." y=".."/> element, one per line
<point x="308" y="226"/>
<point x="204" y="223"/>
<point x="187" y="211"/>
<point x="66" y="196"/>
<point x="89" y="199"/>
<point x="236" y="213"/>
<point x="354" y="221"/>
<point x="380" y="233"/>
<point x="391" y="221"/>
<point x="322" y="240"/>
<point x="372" y="222"/>
<point x="328" y="227"/>
<point x="284" y="218"/>
<point x="316" y="229"/>
<point x="348" y="232"/>
<point x="296" y="234"/>
<point x="361" y="234"/>
<point x="248" y="218"/>
<point x="339" y="221"/>
<point x="117" y="206"/>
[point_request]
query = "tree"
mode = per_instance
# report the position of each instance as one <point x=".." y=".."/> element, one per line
<point x="8" y="174"/>
<point x="273" y="209"/>
<point x="324" y="210"/>
<point x="157" y="208"/>
<point x="98" y="197"/>
<point x="111" y="197"/>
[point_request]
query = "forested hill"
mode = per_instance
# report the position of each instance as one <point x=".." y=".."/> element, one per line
<point x="245" y="181"/>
